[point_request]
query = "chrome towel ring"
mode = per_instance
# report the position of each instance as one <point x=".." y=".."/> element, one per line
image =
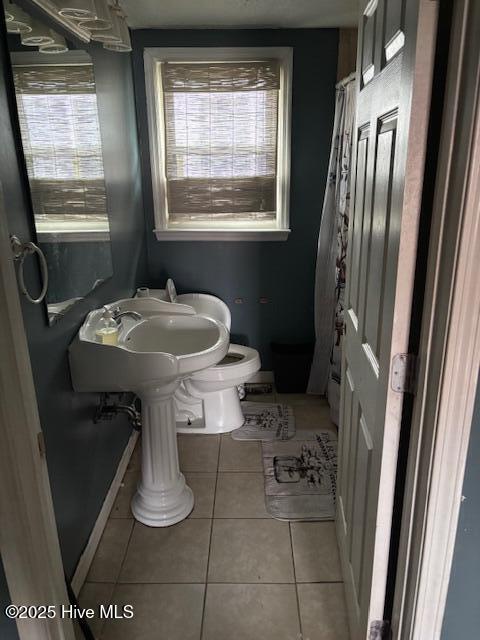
<point x="20" y="251"/>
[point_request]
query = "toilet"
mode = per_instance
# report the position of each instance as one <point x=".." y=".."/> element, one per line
<point x="208" y="401"/>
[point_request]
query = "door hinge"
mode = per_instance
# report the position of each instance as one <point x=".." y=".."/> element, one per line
<point x="379" y="630"/>
<point x="404" y="373"/>
<point x="41" y="444"/>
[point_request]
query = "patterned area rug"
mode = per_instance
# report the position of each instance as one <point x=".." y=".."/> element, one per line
<point x="265" y="422"/>
<point x="301" y="476"/>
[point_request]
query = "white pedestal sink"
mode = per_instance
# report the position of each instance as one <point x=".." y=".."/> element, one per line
<point x="162" y="496"/>
<point x="152" y="356"/>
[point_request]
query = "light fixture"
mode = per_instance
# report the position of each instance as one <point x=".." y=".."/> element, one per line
<point x="58" y="44"/>
<point x="102" y="20"/>
<point x="76" y="9"/>
<point x="121" y="28"/>
<point x="21" y="22"/>
<point x="37" y="36"/>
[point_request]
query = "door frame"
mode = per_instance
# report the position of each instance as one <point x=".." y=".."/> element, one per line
<point x="29" y="542"/>
<point x="449" y="356"/>
<point x="419" y="60"/>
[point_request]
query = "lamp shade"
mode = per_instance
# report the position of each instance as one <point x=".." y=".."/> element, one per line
<point x="102" y="21"/>
<point x="21" y="22"/>
<point x="38" y="36"/>
<point x="58" y="45"/>
<point x="76" y="9"/>
<point x="9" y="10"/>
<point x="122" y="29"/>
<point x="111" y="35"/>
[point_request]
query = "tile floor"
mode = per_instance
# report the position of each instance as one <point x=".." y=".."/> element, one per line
<point x="228" y="571"/>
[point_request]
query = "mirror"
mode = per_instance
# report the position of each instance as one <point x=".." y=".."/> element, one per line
<point x="58" y="114"/>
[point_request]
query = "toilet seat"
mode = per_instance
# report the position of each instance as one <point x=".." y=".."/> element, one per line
<point x="239" y="362"/>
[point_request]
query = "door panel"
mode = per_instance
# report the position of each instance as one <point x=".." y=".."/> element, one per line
<point x="368" y="46"/>
<point x="357" y="223"/>
<point x="394" y="35"/>
<point x="363" y="455"/>
<point x="378" y="235"/>
<point x="376" y="314"/>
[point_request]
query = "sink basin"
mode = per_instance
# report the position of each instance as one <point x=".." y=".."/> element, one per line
<point x="153" y="354"/>
<point x="162" y="347"/>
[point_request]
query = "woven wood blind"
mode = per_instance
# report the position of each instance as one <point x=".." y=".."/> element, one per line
<point x="221" y="140"/>
<point x="58" y="115"/>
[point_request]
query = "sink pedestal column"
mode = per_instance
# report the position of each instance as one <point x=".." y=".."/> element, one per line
<point x="162" y="498"/>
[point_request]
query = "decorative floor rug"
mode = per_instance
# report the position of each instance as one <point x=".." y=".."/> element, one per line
<point x="301" y="476"/>
<point x="265" y="421"/>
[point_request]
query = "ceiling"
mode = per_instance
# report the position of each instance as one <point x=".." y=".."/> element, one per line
<point x="240" y="13"/>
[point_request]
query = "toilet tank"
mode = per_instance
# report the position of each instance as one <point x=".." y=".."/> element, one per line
<point x="208" y="305"/>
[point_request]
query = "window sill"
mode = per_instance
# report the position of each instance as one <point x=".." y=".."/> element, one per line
<point x="228" y="235"/>
<point x="87" y="235"/>
<point x="74" y="230"/>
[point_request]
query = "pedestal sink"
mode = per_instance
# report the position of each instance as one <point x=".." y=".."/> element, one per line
<point x="153" y="355"/>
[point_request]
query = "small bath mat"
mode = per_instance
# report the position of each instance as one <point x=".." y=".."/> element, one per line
<point x="301" y="476"/>
<point x="265" y="421"/>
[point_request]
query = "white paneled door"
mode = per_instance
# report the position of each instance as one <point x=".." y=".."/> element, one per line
<point x="393" y="90"/>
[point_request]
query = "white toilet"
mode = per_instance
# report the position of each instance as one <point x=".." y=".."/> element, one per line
<point x="208" y="401"/>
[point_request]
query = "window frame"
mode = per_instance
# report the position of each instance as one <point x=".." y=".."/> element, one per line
<point x="153" y="57"/>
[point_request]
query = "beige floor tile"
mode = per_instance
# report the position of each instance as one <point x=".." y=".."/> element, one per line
<point x="92" y="595"/>
<point x="161" y="612"/>
<point x="121" y="506"/>
<point x="203" y="487"/>
<point x="111" y="551"/>
<point x="198" y="453"/>
<point x="250" y="551"/>
<point x="251" y="612"/>
<point x="171" y="554"/>
<point x="240" y="495"/>
<point x="310" y="416"/>
<point x="238" y="455"/>
<point x="315" y="552"/>
<point x="323" y="611"/>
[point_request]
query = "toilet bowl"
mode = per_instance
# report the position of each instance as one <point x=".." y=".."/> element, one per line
<point x="208" y="401"/>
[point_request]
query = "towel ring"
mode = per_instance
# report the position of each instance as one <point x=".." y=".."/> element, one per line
<point x="20" y="251"/>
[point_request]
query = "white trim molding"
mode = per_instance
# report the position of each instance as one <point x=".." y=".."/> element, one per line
<point x="88" y="554"/>
<point x="176" y="235"/>
<point x="278" y="229"/>
<point x="28" y="534"/>
<point x="449" y="351"/>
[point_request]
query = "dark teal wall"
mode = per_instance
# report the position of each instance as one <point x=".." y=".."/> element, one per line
<point x="82" y="457"/>
<point x="462" y="614"/>
<point x="283" y="272"/>
<point x="74" y="267"/>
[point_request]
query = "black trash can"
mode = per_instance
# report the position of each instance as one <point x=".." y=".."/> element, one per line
<point x="291" y="366"/>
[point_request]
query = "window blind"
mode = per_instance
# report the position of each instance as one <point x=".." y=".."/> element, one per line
<point x="57" y="107"/>
<point x="221" y="140"/>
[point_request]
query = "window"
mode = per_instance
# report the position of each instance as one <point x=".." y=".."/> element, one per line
<point x="57" y="107"/>
<point x="219" y="123"/>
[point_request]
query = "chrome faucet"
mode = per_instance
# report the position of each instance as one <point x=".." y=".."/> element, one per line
<point x="117" y="315"/>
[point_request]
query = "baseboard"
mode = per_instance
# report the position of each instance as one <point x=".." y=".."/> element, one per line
<point x="86" y="558"/>
<point x="262" y="376"/>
